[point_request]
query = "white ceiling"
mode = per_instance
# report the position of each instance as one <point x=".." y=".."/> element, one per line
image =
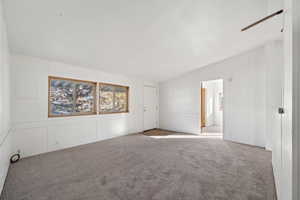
<point x="154" y="39"/>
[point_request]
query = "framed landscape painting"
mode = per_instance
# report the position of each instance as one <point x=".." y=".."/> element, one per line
<point x="71" y="97"/>
<point x="113" y="98"/>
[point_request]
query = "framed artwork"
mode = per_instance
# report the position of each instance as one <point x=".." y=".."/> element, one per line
<point x="71" y="97"/>
<point x="113" y="98"/>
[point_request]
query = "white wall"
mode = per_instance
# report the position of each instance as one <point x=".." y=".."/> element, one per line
<point x="296" y="90"/>
<point x="286" y="171"/>
<point x="5" y="138"/>
<point x="274" y="97"/>
<point x="245" y="102"/>
<point x="290" y="187"/>
<point x="34" y="133"/>
<point x="292" y="38"/>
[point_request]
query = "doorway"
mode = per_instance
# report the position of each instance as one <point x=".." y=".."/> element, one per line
<point x="212" y="105"/>
<point x="150" y="108"/>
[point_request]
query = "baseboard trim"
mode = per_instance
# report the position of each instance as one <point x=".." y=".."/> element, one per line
<point x="275" y="187"/>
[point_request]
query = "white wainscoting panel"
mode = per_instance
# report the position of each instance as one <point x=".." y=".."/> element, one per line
<point x="35" y="133"/>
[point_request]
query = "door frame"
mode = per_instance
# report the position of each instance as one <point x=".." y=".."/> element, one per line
<point x="224" y="107"/>
<point x="157" y="106"/>
<point x="203" y="106"/>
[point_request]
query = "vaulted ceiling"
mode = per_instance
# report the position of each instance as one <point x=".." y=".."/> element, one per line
<point x="153" y="39"/>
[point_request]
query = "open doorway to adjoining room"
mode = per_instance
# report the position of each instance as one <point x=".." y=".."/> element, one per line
<point x="212" y="105"/>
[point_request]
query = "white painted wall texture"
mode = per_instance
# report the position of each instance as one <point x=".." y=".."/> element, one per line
<point x="5" y="139"/>
<point x="35" y="133"/>
<point x="296" y="90"/>
<point x="290" y="187"/>
<point x="245" y="101"/>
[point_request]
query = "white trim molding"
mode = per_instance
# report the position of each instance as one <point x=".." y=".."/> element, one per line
<point x="296" y="98"/>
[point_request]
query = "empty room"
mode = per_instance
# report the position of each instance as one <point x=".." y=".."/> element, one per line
<point x="149" y="100"/>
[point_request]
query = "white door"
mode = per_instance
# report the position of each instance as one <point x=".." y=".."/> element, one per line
<point x="275" y="101"/>
<point x="150" y="108"/>
<point x="276" y="131"/>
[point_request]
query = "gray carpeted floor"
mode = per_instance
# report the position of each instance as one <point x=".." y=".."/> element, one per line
<point x="138" y="167"/>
